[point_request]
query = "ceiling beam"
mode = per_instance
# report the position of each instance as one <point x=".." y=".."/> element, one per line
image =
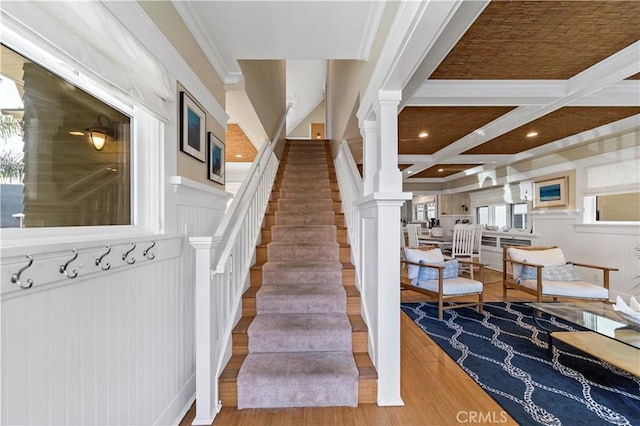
<point x="608" y="72"/>
<point x="518" y="92"/>
<point x="457" y="159"/>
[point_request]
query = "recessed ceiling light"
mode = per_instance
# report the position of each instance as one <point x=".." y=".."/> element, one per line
<point x="77" y="133"/>
<point x="409" y="171"/>
<point x="423" y="134"/>
<point x="440" y="170"/>
<point x="532" y="134"/>
<point x="238" y="155"/>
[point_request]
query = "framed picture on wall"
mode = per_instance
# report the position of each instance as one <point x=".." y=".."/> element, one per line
<point x="550" y="193"/>
<point x="193" y="128"/>
<point x="215" y="159"/>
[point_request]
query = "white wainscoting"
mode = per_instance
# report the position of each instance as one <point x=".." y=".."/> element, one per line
<point x="108" y="347"/>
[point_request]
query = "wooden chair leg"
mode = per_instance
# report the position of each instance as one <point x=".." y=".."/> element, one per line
<point x="480" y="308"/>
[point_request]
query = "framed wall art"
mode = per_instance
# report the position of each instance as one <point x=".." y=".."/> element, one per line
<point x="193" y="128"/>
<point x="215" y="159"/>
<point x="550" y="193"/>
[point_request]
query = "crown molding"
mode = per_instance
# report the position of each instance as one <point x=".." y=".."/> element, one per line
<point x="196" y="27"/>
<point x="134" y="18"/>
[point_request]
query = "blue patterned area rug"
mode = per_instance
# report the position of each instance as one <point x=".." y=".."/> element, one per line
<point x="506" y="354"/>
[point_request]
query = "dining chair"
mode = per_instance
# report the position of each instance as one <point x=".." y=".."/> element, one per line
<point x="463" y="242"/>
<point x="477" y="243"/>
<point x="413" y="230"/>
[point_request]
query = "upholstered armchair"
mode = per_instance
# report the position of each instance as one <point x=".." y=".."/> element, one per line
<point x="429" y="273"/>
<point x="545" y="273"/>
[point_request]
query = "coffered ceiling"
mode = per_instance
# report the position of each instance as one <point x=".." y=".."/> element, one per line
<point x="526" y="78"/>
<point x="568" y="71"/>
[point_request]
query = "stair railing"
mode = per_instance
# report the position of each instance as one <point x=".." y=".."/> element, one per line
<point x="351" y="190"/>
<point x="223" y="263"/>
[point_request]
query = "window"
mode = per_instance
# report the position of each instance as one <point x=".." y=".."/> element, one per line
<point x="611" y="192"/>
<point x="482" y="215"/>
<point x="503" y="216"/>
<point x="519" y="216"/>
<point x="425" y="211"/>
<point x="623" y="207"/>
<point x="51" y="175"/>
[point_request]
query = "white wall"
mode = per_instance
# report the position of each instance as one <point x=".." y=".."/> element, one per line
<point x="108" y="347"/>
<point x="115" y="346"/>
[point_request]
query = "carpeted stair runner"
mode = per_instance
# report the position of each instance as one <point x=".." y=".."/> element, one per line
<point x="300" y="339"/>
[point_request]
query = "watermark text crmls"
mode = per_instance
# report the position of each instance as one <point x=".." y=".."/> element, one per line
<point x="481" y="417"/>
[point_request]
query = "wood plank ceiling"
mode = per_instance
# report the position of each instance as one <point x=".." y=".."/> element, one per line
<point x="516" y="47"/>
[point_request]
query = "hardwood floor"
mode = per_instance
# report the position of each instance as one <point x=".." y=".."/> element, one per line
<point x="434" y="389"/>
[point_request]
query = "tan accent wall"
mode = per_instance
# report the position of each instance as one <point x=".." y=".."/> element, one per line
<point x="347" y="79"/>
<point x="619" y="207"/>
<point x="164" y="15"/>
<point x="571" y="190"/>
<point x="315" y="116"/>
<point x="265" y="85"/>
<point x="188" y="166"/>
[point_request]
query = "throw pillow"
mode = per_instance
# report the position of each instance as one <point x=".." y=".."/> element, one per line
<point x="560" y="273"/>
<point x="564" y="272"/>
<point x="548" y="257"/>
<point x="415" y="256"/>
<point x="427" y="273"/>
<point x="450" y="271"/>
<point x="528" y="273"/>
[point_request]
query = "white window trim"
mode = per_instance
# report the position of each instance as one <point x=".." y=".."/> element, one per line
<point x="586" y="198"/>
<point x="147" y="155"/>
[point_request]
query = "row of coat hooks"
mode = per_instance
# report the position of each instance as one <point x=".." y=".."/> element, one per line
<point x="73" y="273"/>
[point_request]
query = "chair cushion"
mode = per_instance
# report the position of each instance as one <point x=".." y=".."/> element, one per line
<point x="548" y="257"/>
<point x="426" y="256"/>
<point x="452" y="286"/>
<point x="576" y="289"/>
<point x="450" y="270"/>
<point x="564" y="272"/>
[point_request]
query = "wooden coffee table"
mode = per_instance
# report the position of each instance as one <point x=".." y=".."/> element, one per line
<point x="610" y="337"/>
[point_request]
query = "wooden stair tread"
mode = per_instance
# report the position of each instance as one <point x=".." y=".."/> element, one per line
<point x="352" y="291"/>
<point x="243" y="325"/>
<point x="250" y="293"/>
<point x="357" y="323"/>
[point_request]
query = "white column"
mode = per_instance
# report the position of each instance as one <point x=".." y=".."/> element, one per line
<point x="206" y="323"/>
<point x="380" y="210"/>
<point x="370" y="166"/>
<point x="388" y="178"/>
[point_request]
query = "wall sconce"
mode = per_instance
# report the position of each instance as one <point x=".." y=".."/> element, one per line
<point x="318" y="135"/>
<point x="99" y="131"/>
<point x="465" y="208"/>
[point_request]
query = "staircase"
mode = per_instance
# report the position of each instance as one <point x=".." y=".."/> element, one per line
<point x="301" y="341"/>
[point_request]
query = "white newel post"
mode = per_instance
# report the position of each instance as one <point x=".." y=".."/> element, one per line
<point x="380" y="210"/>
<point x="207" y="405"/>
<point x="370" y="166"/>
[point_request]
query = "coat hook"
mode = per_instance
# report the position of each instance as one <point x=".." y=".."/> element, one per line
<point x="106" y="265"/>
<point x="63" y="268"/>
<point x="133" y="259"/>
<point x="15" y="278"/>
<point x="150" y="255"/>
